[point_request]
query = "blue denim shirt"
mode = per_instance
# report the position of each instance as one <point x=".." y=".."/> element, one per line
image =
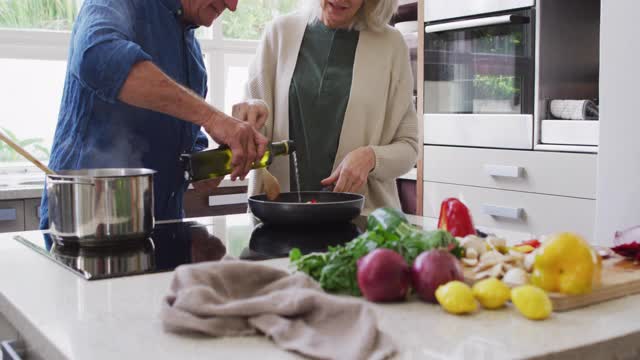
<point x="95" y="129"/>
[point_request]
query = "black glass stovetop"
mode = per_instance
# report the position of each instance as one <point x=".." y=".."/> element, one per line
<point x="204" y="239"/>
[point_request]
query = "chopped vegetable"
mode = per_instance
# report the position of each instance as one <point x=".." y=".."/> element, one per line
<point x="455" y="218"/>
<point x="629" y="250"/>
<point x="534" y="243"/>
<point x="336" y="270"/>
<point x="312" y="201"/>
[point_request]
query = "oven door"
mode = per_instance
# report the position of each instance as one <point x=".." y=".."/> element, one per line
<point x="479" y="81"/>
<point x="436" y="10"/>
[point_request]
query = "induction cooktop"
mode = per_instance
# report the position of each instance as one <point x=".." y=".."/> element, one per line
<point x="172" y="244"/>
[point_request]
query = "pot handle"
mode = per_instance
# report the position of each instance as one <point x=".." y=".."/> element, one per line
<point x="75" y="182"/>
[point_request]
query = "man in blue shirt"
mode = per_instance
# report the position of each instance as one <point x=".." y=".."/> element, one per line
<point x="133" y="96"/>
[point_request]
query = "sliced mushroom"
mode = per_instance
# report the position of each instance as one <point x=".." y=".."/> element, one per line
<point x="495" y="271"/>
<point x="496" y="242"/>
<point x="471" y="253"/>
<point x="470" y="262"/>
<point x="529" y="259"/>
<point x="516" y="277"/>
<point x="474" y="242"/>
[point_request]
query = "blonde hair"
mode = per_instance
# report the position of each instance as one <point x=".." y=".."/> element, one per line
<point x="374" y="15"/>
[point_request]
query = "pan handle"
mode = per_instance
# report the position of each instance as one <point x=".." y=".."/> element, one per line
<point x="65" y="182"/>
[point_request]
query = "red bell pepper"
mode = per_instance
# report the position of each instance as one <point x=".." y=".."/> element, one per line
<point x="534" y="243"/>
<point x="455" y="218"/>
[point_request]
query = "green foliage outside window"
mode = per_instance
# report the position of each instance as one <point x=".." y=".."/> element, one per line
<point x="34" y="146"/>
<point x="38" y="14"/>
<point x="249" y="20"/>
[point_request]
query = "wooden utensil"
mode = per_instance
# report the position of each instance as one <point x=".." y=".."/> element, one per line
<point x="20" y="150"/>
<point x="271" y="185"/>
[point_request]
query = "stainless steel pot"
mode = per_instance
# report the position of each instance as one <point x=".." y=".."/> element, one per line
<point x="98" y="207"/>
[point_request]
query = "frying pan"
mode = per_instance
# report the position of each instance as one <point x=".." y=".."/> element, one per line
<point x="331" y="207"/>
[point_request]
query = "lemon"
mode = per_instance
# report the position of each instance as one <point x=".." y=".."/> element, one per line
<point x="532" y="302"/>
<point x="491" y="293"/>
<point x="456" y="297"/>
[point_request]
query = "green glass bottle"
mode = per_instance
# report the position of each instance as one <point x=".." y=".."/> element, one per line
<point x="214" y="163"/>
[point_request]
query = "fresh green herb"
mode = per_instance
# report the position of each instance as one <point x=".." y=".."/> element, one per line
<point x="336" y="269"/>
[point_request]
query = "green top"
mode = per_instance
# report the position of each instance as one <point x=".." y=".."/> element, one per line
<point x="318" y="98"/>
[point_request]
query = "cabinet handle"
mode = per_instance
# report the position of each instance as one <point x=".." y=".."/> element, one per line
<point x="485" y="21"/>
<point x="503" y="212"/>
<point x="8" y="215"/>
<point x="504" y="171"/>
<point x="13" y="350"/>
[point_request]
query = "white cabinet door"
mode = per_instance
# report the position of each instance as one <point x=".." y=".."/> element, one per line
<point x="554" y="173"/>
<point x="513" y="211"/>
<point x="11" y="216"/>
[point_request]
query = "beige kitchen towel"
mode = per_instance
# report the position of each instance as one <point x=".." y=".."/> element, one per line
<point x="236" y="298"/>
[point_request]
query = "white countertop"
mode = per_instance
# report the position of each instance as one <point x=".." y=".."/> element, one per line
<point x="62" y="316"/>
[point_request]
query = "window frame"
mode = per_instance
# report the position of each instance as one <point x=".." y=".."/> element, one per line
<point x="54" y="45"/>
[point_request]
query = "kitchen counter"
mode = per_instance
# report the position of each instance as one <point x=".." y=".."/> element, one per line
<point x="62" y="316"/>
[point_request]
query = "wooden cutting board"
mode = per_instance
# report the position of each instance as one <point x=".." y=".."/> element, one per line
<point x="620" y="277"/>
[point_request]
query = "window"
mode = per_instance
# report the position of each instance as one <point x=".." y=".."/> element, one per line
<point x="38" y="14"/>
<point x="34" y="38"/>
<point x="249" y="20"/>
<point x="30" y="117"/>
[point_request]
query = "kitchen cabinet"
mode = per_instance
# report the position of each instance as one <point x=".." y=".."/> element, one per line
<point x="224" y="201"/>
<point x="11" y="215"/>
<point x="515" y="211"/>
<point x="563" y="174"/>
<point x="535" y="189"/>
<point x="19" y="215"/>
<point x="618" y="159"/>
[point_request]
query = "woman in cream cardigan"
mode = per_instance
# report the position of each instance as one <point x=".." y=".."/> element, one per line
<point x="337" y="81"/>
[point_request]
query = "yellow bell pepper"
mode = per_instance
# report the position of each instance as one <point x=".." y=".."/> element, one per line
<point x="566" y="263"/>
<point x="525" y="249"/>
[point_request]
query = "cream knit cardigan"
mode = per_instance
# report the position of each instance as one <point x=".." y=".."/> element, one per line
<point x="380" y="112"/>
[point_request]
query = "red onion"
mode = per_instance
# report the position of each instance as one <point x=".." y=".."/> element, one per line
<point x="383" y="276"/>
<point x="432" y="269"/>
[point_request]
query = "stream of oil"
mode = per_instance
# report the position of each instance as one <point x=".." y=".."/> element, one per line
<point x="295" y="168"/>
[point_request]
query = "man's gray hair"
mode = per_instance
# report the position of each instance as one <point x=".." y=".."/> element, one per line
<point x="374" y="15"/>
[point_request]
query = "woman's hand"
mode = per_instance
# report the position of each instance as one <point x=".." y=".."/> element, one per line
<point x="353" y="171"/>
<point x="254" y="111"/>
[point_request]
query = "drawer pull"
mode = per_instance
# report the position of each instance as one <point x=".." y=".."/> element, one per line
<point x="503" y="171"/>
<point x="503" y="212"/>
<point x="12" y="350"/>
<point x="8" y="215"/>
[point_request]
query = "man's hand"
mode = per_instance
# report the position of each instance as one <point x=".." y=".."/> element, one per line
<point x="353" y="171"/>
<point x="254" y="111"/>
<point x="149" y="88"/>
<point x="207" y="186"/>
<point x="246" y="143"/>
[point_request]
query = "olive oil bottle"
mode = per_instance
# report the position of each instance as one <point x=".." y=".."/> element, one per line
<point x="210" y="164"/>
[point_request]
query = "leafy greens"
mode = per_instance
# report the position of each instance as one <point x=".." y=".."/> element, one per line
<point x="336" y="270"/>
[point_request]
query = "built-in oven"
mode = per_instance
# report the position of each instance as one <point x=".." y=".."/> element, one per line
<point x="479" y="73"/>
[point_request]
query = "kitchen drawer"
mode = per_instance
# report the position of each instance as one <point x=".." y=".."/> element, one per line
<point x="11" y="216"/>
<point x="555" y="173"/>
<point x="514" y="211"/>
<point x="31" y="214"/>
